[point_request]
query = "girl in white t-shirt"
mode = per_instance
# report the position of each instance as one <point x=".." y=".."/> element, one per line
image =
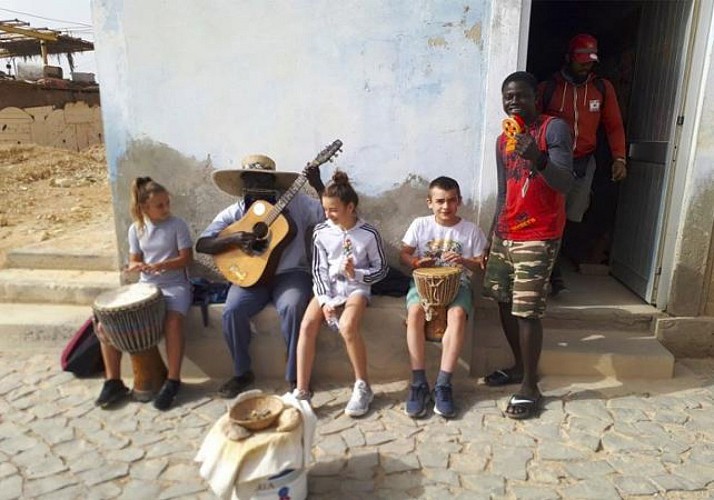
<point x="160" y="249"/>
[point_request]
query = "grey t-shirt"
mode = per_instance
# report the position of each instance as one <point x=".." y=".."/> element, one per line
<point x="305" y="213"/>
<point x="158" y="243"/>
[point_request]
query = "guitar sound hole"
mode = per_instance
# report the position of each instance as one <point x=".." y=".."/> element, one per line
<point x="260" y="230"/>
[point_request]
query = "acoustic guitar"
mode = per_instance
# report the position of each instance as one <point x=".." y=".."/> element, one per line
<point x="273" y="230"/>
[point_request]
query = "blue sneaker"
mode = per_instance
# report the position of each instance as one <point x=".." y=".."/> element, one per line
<point x="444" y="401"/>
<point x="419" y="397"/>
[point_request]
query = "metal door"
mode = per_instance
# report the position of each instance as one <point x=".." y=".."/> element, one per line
<point x="651" y="118"/>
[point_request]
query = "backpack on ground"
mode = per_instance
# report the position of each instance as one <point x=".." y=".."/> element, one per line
<point x="207" y="292"/>
<point x="83" y="355"/>
<point x="394" y="284"/>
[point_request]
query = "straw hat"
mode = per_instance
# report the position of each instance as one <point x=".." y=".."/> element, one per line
<point x="231" y="182"/>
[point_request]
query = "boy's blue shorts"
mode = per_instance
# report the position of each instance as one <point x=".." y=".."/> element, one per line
<point x="463" y="298"/>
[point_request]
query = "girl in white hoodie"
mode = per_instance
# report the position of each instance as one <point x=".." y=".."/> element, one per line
<point x="347" y="258"/>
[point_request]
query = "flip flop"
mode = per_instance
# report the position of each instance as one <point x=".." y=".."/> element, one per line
<point x="502" y="377"/>
<point x="530" y="407"/>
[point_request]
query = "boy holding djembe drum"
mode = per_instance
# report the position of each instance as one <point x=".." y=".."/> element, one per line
<point x="439" y="240"/>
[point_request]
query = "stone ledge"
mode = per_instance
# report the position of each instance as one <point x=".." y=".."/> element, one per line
<point x="32" y="326"/>
<point x="51" y="286"/>
<point x="687" y="337"/>
<point x="50" y="258"/>
<point x="590" y="353"/>
<point x="383" y="328"/>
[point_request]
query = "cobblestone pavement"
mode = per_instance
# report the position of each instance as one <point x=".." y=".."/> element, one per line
<point x="597" y="440"/>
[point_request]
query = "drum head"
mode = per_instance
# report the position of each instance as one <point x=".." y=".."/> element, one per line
<point x="436" y="271"/>
<point x="127" y="295"/>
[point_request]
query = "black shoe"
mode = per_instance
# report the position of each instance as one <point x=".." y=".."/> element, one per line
<point x="113" y="391"/>
<point x="232" y="387"/>
<point x="167" y="394"/>
<point x="444" y="401"/>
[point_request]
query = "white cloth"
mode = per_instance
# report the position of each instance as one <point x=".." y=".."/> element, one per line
<point x="234" y="469"/>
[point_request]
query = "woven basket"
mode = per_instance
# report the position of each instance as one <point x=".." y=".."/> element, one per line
<point x="256" y="413"/>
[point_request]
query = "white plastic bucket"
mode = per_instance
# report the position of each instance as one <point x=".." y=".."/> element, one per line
<point x="290" y="484"/>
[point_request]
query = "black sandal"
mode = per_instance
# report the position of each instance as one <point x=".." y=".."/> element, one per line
<point x="502" y="377"/>
<point x="526" y="407"/>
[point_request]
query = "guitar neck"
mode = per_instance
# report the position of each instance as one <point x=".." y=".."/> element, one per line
<point x="285" y="199"/>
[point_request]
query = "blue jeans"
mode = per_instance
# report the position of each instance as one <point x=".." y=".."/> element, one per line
<point x="290" y="292"/>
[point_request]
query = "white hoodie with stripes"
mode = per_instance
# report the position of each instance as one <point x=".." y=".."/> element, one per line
<point x="331" y="247"/>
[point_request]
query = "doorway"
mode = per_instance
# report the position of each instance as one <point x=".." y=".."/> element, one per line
<point x="641" y="50"/>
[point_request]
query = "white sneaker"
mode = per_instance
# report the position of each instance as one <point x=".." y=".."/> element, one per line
<point x="362" y="396"/>
<point x="302" y="394"/>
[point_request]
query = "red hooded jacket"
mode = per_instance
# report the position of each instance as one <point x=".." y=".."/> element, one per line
<point x="581" y="106"/>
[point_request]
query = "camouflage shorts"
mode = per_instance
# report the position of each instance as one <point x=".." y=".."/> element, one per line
<point x="518" y="272"/>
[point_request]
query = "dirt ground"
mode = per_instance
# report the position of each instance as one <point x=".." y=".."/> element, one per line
<point x="48" y="193"/>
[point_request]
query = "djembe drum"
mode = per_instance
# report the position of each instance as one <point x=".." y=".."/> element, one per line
<point x="437" y="288"/>
<point x="132" y="319"/>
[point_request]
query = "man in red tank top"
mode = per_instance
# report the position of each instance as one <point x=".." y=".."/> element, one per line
<point x="533" y="177"/>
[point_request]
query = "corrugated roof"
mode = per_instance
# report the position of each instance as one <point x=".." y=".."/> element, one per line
<point x="19" y="39"/>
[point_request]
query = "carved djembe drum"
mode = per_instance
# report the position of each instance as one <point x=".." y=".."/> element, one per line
<point x="437" y="288"/>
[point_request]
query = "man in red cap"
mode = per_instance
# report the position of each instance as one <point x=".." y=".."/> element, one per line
<point x="585" y="101"/>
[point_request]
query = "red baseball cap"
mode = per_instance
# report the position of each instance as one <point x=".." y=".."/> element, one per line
<point x="583" y="49"/>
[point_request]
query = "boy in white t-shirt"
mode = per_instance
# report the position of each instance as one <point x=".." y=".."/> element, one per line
<point x="441" y="239"/>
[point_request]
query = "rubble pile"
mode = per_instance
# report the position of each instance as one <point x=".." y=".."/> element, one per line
<point x="45" y="192"/>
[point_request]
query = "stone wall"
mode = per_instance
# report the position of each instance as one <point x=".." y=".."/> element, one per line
<point x="61" y="118"/>
<point x="74" y="127"/>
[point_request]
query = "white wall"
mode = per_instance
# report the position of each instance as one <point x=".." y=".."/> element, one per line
<point x="401" y="83"/>
<point x="687" y="286"/>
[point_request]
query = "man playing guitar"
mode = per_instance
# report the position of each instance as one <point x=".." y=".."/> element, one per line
<point x="290" y="288"/>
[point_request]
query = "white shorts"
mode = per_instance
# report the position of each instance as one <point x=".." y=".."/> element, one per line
<point x="578" y="198"/>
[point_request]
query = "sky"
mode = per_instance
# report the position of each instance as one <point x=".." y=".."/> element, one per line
<point x="72" y="17"/>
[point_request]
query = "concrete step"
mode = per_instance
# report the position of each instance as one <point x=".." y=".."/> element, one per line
<point x="583" y="352"/>
<point x="625" y="317"/>
<point x="605" y="353"/>
<point x="92" y="248"/>
<point x="581" y="315"/>
<point x="61" y="259"/>
<point x="55" y="286"/>
<point x="383" y="328"/>
<point x="33" y="326"/>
